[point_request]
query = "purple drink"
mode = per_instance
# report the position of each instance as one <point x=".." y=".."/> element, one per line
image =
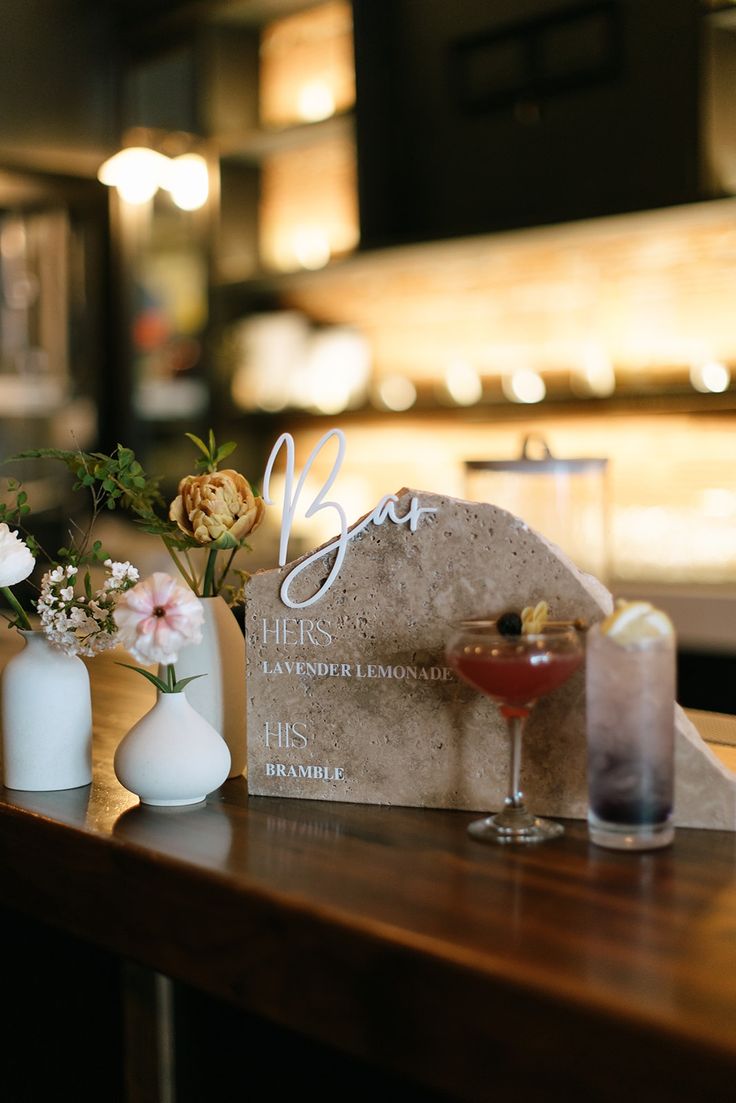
<point x="630" y="689"/>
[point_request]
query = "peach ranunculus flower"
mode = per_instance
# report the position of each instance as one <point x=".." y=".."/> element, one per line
<point x="157" y="618"/>
<point x="218" y="509"/>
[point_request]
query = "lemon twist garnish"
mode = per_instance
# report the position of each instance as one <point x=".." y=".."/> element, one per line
<point x="534" y="618"/>
<point x="634" y="622"/>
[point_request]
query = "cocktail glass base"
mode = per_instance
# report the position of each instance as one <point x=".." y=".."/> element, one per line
<point x="622" y="836"/>
<point x="514" y="825"/>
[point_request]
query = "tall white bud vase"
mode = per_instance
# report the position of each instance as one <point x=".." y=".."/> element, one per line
<point x="220" y="696"/>
<point x="47" y="718"/>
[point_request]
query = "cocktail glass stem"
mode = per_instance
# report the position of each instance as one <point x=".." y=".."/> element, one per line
<point x="515" y="725"/>
<point x="515" y="824"/>
<point x="515" y="818"/>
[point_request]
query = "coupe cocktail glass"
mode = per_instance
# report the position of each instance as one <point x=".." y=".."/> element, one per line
<point x="514" y="671"/>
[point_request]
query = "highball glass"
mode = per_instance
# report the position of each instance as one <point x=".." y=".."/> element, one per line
<point x="630" y="697"/>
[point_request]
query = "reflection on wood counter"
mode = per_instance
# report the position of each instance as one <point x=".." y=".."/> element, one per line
<point x="389" y="935"/>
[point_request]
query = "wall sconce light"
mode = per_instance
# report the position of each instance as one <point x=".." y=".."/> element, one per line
<point x="596" y="376"/>
<point x="135" y="172"/>
<point x="711" y="377"/>
<point x="138" y="172"/>
<point x="524" y="385"/>
<point x="396" y="393"/>
<point x="315" y="101"/>
<point x="310" y="246"/>
<point x="463" y="384"/>
<point x="187" y="181"/>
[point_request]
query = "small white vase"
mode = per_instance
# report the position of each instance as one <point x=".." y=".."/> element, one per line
<point x="220" y="696"/>
<point x="47" y="719"/>
<point x="172" y="756"/>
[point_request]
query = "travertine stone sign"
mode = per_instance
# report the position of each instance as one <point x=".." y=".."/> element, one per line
<point x="350" y="697"/>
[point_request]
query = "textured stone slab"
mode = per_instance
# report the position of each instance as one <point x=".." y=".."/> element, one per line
<point x="351" y="699"/>
<point x="705" y="789"/>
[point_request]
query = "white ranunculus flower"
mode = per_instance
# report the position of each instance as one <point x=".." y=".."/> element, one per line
<point x="16" y="562"/>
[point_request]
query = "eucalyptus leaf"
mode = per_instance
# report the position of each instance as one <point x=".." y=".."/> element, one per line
<point x="199" y="443"/>
<point x="182" y="682"/>
<point x="160" y="685"/>
<point x="225" y="450"/>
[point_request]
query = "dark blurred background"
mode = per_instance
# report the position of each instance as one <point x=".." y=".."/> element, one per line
<point x="444" y="227"/>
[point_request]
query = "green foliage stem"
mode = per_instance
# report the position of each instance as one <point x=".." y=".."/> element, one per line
<point x="21" y="618"/>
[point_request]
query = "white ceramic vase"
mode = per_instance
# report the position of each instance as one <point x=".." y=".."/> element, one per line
<point x="220" y="696"/>
<point x="172" y="756"/>
<point x="47" y="719"/>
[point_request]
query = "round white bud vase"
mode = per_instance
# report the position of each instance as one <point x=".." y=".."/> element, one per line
<point x="220" y="696"/>
<point x="172" y="756"/>
<point x="47" y="718"/>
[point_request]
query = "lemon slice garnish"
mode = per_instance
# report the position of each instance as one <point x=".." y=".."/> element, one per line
<point x="660" y="623"/>
<point x="625" y="613"/>
<point x="534" y="618"/>
<point x="636" y="621"/>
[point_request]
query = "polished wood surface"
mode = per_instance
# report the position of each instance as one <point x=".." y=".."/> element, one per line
<point x="391" y="935"/>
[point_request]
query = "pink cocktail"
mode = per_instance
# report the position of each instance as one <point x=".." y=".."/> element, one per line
<point x="514" y="671"/>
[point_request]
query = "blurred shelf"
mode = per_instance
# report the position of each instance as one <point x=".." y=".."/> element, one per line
<point x="264" y="281"/>
<point x="254" y="13"/>
<point x="253" y="146"/>
<point x="142" y="22"/>
<point x="721" y="14"/>
<point x="494" y="407"/>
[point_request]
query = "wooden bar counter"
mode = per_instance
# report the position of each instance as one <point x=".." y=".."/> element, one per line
<point x="387" y="937"/>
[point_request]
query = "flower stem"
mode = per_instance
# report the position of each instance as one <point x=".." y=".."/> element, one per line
<point x="191" y="582"/>
<point x="21" y="615"/>
<point x="208" y="590"/>
<point x="228" y="565"/>
<point x="171" y="677"/>
<point x="193" y="570"/>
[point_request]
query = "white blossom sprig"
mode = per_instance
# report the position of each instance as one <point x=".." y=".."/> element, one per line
<point x="83" y="623"/>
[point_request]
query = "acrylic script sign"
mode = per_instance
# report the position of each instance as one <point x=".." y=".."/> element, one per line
<point x="385" y="510"/>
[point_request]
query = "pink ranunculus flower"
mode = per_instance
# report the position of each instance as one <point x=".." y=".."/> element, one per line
<point x="157" y="618"/>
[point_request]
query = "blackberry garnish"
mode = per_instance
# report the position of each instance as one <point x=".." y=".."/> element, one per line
<point x="509" y="624"/>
